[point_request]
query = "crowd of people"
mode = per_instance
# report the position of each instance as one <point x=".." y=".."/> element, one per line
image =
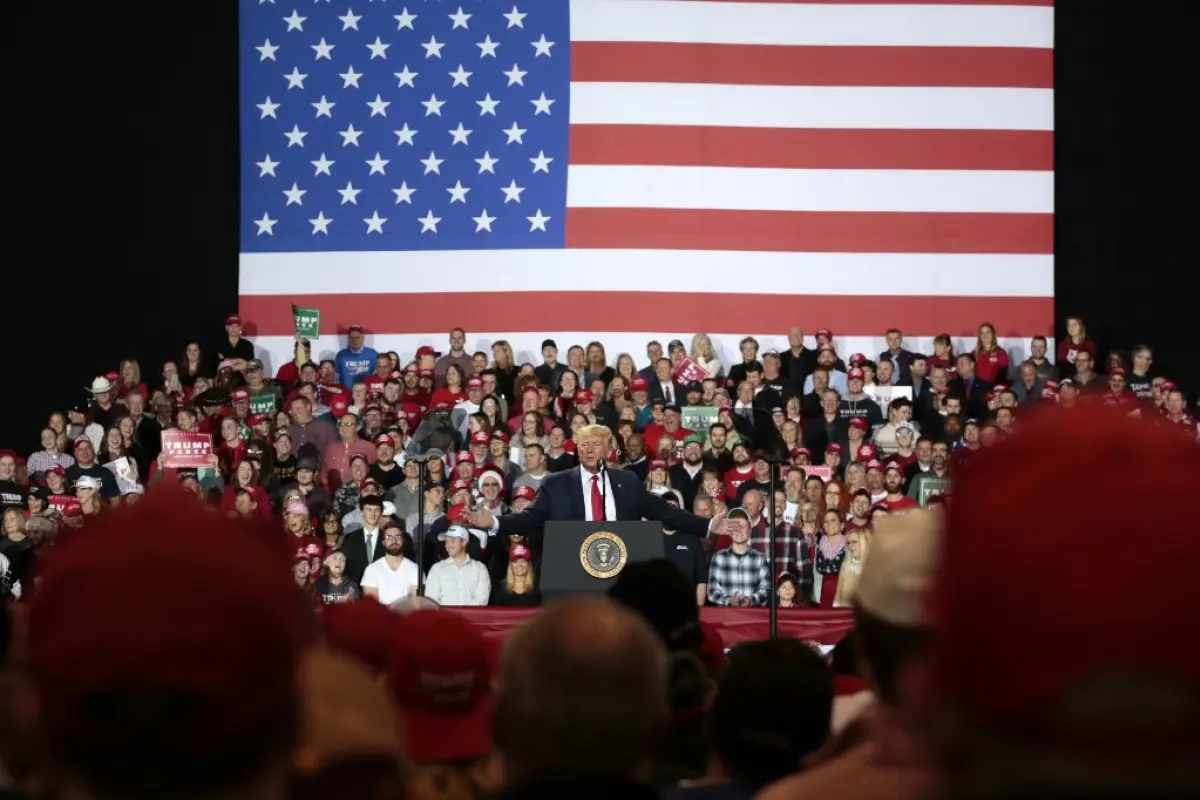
<point x="997" y="652"/>
<point x="325" y="450"/>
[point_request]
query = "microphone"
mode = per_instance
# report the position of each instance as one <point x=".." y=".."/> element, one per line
<point x="602" y="470"/>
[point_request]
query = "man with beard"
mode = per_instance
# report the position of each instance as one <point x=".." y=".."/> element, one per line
<point x="392" y="577"/>
<point x="685" y="476"/>
<point x="718" y="456"/>
<point x="893" y="483"/>
<point x="743" y="470"/>
<point x="936" y="479"/>
<point x="385" y="471"/>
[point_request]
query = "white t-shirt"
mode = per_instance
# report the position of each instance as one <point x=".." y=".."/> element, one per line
<point x="392" y="585"/>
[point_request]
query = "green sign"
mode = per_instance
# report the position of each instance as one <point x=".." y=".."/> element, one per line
<point x="308" y="321"/>
<point x="929" y="487"/>
<point x="262" y="403"/>
<point x="699" y="418"/>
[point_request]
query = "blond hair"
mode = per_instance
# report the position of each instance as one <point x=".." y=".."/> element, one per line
<point x="594" y="430"/>
<point x="848" y="577"/>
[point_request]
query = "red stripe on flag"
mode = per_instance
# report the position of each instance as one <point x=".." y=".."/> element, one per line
<point x="620" y="312"/>
<point x="757" y="65"/>
<point x="1037" y="3"/>
<point x="809" y="231"/>
<point x="811" y="148"/>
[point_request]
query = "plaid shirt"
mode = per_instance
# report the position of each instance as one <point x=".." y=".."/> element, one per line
<point x="748" y="574"/>
<point x="791" y="553"/>
<point x="41" y="462"/>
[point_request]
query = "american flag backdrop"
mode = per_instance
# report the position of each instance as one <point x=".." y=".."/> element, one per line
<point x="631" y="169"/>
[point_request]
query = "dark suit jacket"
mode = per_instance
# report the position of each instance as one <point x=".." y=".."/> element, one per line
<point x="655" y="391"/>
<point x="354" y="545"/>
<point x="561" y="500"/>
<point x="976" y="402"/>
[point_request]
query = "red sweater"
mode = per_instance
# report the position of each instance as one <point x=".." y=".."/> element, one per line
<point x="992" y="367"/>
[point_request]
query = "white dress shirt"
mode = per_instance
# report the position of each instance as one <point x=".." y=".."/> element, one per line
<point x="392" y="585"/>
<point x="452" y="584"/>
<point x="370" y="538"/>
<point x="668" y="392"/>
<point x="610" y="505"/>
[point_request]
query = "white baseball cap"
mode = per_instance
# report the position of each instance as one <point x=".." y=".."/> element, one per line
<point x="88" y="482"/>
<point x="457" y="531"/>
<point x="900" y="566"/>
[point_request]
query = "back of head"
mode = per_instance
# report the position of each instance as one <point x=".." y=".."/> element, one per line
<point x="892" y="625"/>
<point x="583" y="691"/>
<point x="661" y="593"/>
<point x="1063" y="653"/>
<point x="164" y="665"/>
<point x="772" y="710"/>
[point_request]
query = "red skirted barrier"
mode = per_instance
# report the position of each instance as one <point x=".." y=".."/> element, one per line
<point x="735" y="624"/>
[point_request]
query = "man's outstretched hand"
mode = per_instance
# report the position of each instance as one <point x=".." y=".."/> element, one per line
<point x="722" y="524"/>
<point x="481" y="518"/>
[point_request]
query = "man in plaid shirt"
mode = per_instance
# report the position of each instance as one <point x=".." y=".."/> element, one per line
<point x="789" y="555"/>
<point x="739" y="575"/>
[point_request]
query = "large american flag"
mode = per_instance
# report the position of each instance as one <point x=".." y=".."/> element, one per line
<point x="634" y="169"/>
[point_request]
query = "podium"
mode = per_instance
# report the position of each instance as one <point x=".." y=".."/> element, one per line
<point x="586" y="557"/>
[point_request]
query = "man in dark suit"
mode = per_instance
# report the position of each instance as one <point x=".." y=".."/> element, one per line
<point x="366" y="545"/>
<point x="665" y="388"/>
<point x="973" y="389"/>
<point x="585" y="494"/>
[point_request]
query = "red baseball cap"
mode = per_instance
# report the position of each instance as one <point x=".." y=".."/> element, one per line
<point x="583" y="396"/>
<point x="233" y="319"/>
<point x="464" y="457"/>
<point x="638" y="385"/>
<point x="857" y="422"/>
<point x="828" y="334"/>
<point x="866" y="452"/>
<point x="500" y="434"/>
<point x="385" y="438"/>
<point x="235" y="680"/>
<point x="474" y="382"/>
<point x="524" y="492"/>
<point x="857" y="358"/>
<point x="440" y="672"/>
<point x="479" y="437"/>
<point x="354" y="329"/>
<point x="1091" y="643"/>
<point x="460" y="486"/>
<point x="855" y="374"/>
<point x="425" y="350"/>
<point x="834" y="448"/>
<point x="519" y="551"/>
<point x="256" y="419"/>
<point x="338" y="406"/>
<point x="658" y="464"/>
<point x="359" y="629"/>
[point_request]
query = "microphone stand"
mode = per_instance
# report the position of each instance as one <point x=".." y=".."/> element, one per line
<point x="422" y="462"/>
<point x="602" y="471"/>
<point x="773" y="607"/>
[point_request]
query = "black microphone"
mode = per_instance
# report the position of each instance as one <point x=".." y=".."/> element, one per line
<point x="601" y="470"/>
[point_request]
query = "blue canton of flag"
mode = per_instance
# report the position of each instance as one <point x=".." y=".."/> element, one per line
<point x="389" y="126"/>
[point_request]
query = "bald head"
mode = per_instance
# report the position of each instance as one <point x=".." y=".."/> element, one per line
<point x="583" y="688"/>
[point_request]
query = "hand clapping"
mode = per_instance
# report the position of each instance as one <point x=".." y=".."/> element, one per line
<point x="481" y="518"/>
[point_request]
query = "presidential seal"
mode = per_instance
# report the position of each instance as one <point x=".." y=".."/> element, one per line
<point x="603" y="555"/>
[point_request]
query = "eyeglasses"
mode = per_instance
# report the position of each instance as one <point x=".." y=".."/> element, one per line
<point x="393" y="536"/>
<point x="347" y="424"/>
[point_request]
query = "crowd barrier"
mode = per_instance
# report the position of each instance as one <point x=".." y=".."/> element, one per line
<point x="735" y="624"/>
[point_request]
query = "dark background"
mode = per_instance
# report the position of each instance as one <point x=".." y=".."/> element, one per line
<point x="121" y="176"/>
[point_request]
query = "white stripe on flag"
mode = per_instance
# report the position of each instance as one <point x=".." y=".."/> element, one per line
<point x="451" y="271"/>
<point x="901" y="25"/>
<point x="1000" y="192"/>
<point x="906" y="107"/>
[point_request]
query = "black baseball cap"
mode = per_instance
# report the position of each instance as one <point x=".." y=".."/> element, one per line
<point x="549" y="343"/>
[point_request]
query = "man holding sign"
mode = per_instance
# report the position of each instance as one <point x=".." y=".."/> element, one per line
<point x="308" y="321"/>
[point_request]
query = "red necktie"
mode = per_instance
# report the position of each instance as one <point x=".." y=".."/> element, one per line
<point x="597" y="500"/>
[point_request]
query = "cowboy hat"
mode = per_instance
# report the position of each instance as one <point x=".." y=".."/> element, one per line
<point x="100" y="385"/>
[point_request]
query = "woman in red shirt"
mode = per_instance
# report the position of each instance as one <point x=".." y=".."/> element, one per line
<point x="455" y="390"/>
<point x="991" y="362"/>
<point x="943" y="353"/>
<point x="1077" y="339"/>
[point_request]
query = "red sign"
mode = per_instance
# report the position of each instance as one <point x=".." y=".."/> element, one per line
<point x="688" y="371"/>
<point x="66" y="504"/>
<point x="182" y="450"/>
<point x="822" y="472"/>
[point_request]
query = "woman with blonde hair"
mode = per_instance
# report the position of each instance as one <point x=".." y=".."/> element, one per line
<point x="131" y="379"/>
<point x="626" y="368"/>
<point x="519" y="588"/>
<point x="858" y="544"/>
<point x="504" y="362"/>
<point x="1070" y="345"/>
<point x="705" y="355"/>
<point x="658" y="480"/>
